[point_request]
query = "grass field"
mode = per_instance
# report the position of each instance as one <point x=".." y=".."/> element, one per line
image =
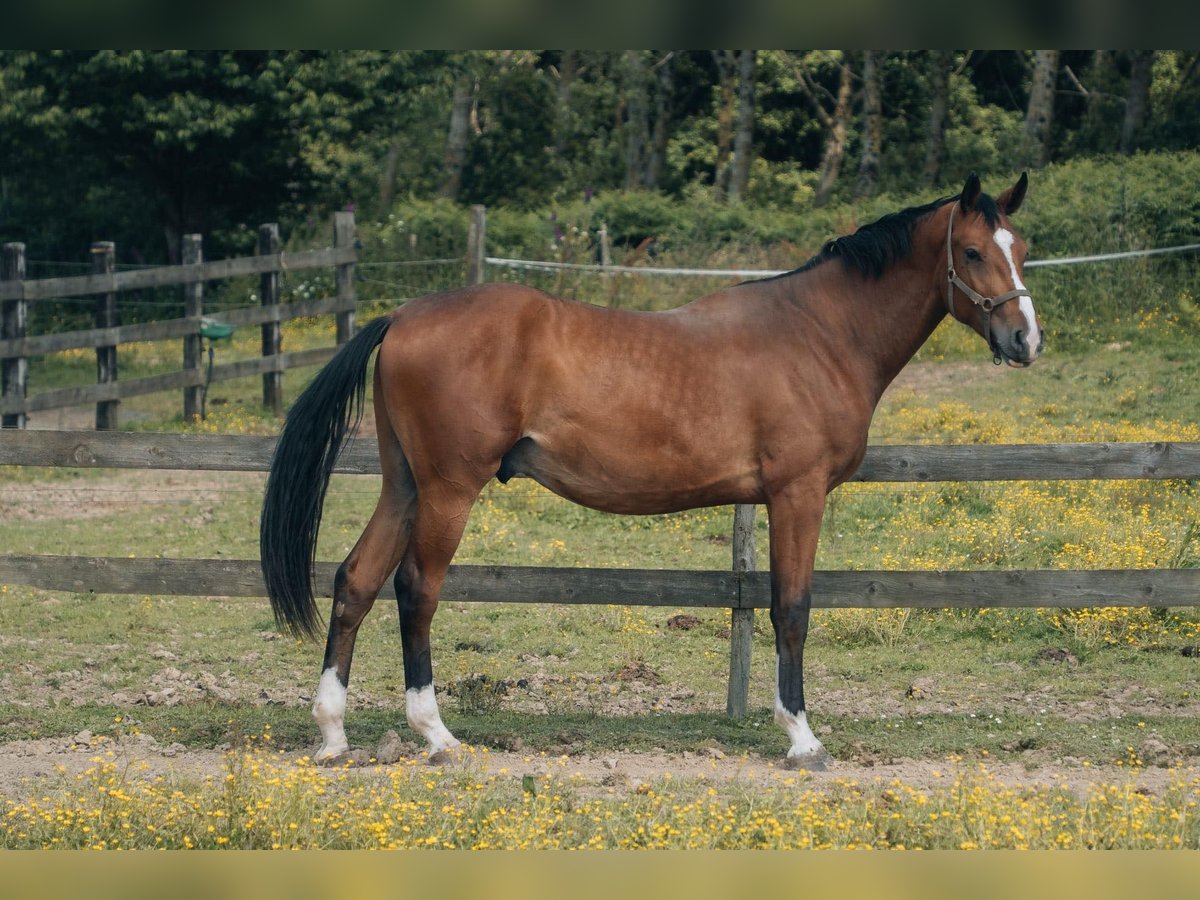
<point x="1036" y="688"/>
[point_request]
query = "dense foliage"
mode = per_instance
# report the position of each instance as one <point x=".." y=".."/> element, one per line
<point x="143" y="146"/>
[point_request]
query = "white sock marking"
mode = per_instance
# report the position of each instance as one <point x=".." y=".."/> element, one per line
<point x="329" y="709"/>
<point x="803" y="740"/>
<point x="1004" y="240"/>
<point x="423" y="716"/>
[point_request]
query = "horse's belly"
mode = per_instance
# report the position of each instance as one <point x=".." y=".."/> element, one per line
<point x="629" y="479"/>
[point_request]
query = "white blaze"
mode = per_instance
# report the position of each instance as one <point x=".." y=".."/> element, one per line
<point x="803" y="740"/>
<point x="422" y="711"/>
<point x="329" y="709"/>
<point x="1004" y="240"/>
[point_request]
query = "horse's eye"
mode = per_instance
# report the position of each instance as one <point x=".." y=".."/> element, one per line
<point x="972" y="254"/>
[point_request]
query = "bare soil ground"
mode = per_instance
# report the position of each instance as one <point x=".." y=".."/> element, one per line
<point x="23" y="763"/>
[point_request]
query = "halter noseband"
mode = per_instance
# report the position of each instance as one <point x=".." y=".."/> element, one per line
<point x="985" y="304"/>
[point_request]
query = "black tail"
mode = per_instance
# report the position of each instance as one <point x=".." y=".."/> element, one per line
<point x="316" y="427"/>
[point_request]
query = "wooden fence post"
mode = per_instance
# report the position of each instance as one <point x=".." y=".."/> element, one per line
<point x="477" y="245"/>
<point x="605" y="262"/>
<point x="193" y="306"/>
<point x="104" y="257"/>
<point x="272" y="334"/>
<point x="343" y="275"/>
<point x="14" y="322"/>
<point x="741" y="624"/>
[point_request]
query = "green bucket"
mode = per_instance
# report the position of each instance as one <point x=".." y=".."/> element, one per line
<point x="214" y="330"/>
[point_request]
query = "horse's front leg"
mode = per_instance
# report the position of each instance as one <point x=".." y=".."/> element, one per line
<point x="795" y="519"/>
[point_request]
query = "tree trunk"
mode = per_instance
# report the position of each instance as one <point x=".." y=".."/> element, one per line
<point x="1101" y="61"/>
<point x="664" y="87"/>
<point x="1039" y="117"/>
<point x="743" y="137"/>
<point x="637" y="125"/>
<point x="835" y="142"/>
<point x="872" y="139"/>
<point x="567" y="70"/>
<point x="939" y="102"/>
<point x="1137" y="98"/>
<point x="387" y="181"/>
<point x="725" y="67"/>
<point x="456" y="137"/>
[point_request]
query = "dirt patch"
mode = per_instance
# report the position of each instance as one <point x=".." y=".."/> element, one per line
<point x="118" y="491"/>
<point x="41" y="762"/>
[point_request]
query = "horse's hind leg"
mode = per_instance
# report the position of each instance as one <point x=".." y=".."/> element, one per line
<point x="442" y="512"/>
<point x="358" y="581"/>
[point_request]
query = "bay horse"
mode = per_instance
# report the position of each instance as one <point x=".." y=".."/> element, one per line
<point x="758" y="393"/>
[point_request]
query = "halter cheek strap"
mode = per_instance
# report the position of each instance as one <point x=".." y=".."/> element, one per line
<point x="985" y="304"/>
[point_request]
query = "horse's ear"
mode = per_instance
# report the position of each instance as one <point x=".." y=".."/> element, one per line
<point x="970" y="192"/>
<point x="1010" y="201"/>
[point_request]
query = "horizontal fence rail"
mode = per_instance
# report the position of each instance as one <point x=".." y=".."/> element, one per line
<point x="1065" y="588"/>
<point x="166" y="276"/>
<point x="151" y="384"/>
<point x="169" y="328"/>
<point x="882" y="463"/>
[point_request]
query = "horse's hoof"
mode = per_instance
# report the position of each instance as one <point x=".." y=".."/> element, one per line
<point x="817" y="761"/>
<point x="447" y="756"/>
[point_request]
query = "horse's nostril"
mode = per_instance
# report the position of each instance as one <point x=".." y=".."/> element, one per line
<point x="1019" y="340"/>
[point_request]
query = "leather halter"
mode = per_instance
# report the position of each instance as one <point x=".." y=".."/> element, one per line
<point x="985" y="304"/>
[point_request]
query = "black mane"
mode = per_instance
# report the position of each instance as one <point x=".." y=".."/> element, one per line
<point x="874" y="247"/>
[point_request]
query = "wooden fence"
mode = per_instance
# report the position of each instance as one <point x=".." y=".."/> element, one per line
<point x="16" y="346"/>
<point x="742" y="589"/>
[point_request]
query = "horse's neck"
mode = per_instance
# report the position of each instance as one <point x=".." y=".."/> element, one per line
<point x="914" y="310"/>
<point x="886" y="320"/>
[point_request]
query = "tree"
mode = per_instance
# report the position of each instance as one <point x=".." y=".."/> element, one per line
<point x="1137" y="99"/>
<point x="726" y="61"/>
<point x="664" y="88"/>
<point x="837" y="124"/>
<point x="939" y="62"/>
<point x="872" y="132"/>
<point x="459" y="131"/>
<point x="637" y="118"/>
<point x="743" y="136"/>
<point x="1039" y="114"/>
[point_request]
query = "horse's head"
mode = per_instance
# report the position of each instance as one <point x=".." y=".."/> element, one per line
<point x="984" y="260"/>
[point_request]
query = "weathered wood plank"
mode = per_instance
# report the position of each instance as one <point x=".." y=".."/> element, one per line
<point x="1030" y="462"/>
<point x="498" y="584"/>
<point x="83" y="285"/>
<point x="108" y="407"/>
<point x="14" y="321"/>
<point x="192" y="251"/>
<point x="272" y="334"/>
<point x="98" y="337"/>
<point x="741" y="621"/>
<point x="165" y="329"/>
<point x="151" y="384"/>
<point x="343" y="276"/>
<point x="110" y="391"/>
<point x="643" y="587"/>
<point x="140" y="450"/>
<point x="972" y="462"/>
<point x="991" y="589"/>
